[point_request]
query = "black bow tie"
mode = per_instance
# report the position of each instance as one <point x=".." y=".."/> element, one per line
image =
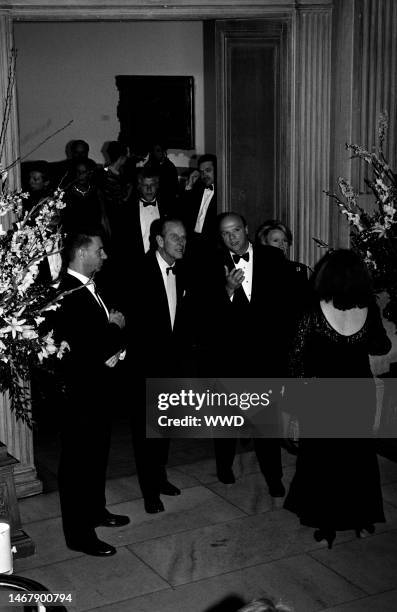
<point x="145" y="203"/>
<point x="236" y="258"/>
<point x="210" y="187"/>
<point x="170" y="269"/>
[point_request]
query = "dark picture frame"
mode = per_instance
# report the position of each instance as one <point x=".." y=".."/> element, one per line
<point x="156" y="108"/>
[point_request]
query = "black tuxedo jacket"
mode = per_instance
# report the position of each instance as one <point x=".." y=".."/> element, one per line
<point x="129" y="232"/>
<point x="83" y="323"/>
<point x="249" y="338"/>
<point x="161" y="345"/>
<point x="126" y="253"/>
<point x="190" y="207"/>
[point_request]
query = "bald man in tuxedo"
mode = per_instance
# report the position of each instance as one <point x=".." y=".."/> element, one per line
<point x="249" y="316"/>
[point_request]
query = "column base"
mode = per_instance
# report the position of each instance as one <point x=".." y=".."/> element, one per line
<point x="23" y="543"/>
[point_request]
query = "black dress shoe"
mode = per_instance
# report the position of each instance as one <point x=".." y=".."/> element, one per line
<point x="277" y="490"/>
<point x="96" y="548"/>
<point x="226" y="476"/>
<point x="166" y="488"/>
<point x="153" y="506"/>
<point x="113" y="520"/>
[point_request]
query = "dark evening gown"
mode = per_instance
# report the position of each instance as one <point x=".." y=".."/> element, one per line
<point x="336" y="485"/>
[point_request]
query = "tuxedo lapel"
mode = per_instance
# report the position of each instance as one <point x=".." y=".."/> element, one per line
<point x="240" y="299"/>
<point x="160" y="295"/>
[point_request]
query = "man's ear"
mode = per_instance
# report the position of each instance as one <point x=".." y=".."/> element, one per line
<point x="160" y="241"/>
<point x="246" y="229"/>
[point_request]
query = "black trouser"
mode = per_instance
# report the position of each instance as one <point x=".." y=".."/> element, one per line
<point x="85" y="441"/>
<point x="151" y="457"/>
<point x="268" y="453"/>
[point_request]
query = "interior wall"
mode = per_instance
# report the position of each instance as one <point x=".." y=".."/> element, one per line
<point x="67" y="71"/>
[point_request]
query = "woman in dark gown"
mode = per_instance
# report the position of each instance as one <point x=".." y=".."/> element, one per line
<point x="336" y="485"/>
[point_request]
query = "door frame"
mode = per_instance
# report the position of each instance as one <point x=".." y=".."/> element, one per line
<point x="276" y="32"/>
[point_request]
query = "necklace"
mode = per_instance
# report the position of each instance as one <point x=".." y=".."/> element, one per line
<point x="82" y="192"/>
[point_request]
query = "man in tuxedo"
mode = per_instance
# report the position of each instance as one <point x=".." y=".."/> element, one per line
<point x="131" y="234"/>
<point x="159" y="163"/>
<point x="160" y="318"/>
<point x="251" y="303"/>
<point x="95" y="338"/>
<point x="199" y="201"/>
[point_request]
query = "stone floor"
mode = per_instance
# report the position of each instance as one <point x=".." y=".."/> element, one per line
<point x="214" y="548"/>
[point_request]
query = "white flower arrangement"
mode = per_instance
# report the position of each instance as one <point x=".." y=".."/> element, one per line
<point x="24" y="342"/>
<point x="374" y="234"/>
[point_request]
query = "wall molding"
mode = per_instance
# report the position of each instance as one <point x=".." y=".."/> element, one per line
<point x="46" y="10"/>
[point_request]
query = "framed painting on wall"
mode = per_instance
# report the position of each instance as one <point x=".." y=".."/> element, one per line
<point x="156" y="108"/>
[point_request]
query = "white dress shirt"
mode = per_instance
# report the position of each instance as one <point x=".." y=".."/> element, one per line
<point x="170" y="286"/>
<point x="208" y="194"/>
<point x="147" y="214"/>
<point x="90" y="285"/>
<point x="246" y="267"/>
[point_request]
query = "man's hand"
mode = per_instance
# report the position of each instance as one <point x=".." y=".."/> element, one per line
<point x="117" y="317"/>
<point x="234" y="280"/>
<point x="194" y="176"/>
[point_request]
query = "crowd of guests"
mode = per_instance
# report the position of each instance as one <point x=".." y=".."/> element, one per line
<point x="170" y="288"/>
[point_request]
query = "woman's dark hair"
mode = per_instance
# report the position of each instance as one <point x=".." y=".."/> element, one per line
<point x="270" y="225"/>
<point x="342" y="277"/>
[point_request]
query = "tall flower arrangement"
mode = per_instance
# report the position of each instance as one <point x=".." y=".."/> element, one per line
<point x="24" y="340"/>
<point x="374" y="234"/>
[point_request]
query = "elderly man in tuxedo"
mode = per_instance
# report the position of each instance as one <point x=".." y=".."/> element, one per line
<point x="161" y="323"/>
<point x="251" y="301"/>
<point x="95" y="338"/>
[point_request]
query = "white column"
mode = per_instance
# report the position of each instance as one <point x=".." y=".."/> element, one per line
<point x="377" y="79"/>
<point x="17" y="437"/>
<point x="312" y="87"/>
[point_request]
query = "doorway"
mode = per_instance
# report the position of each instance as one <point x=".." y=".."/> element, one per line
<point x="253" y="116"/>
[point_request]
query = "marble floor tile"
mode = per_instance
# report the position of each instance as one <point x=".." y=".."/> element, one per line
<point x="205" y="470"/>
<point x="299" y="581"/>
<point x="122" y="489"/>
<point x="97" y="581"/>
<point x="180" y="478"/>
<point x="250" y="492"/>
<point x="356" y="560"/>
<point x="384" y="602"/>
<point x="39" y="507"/>
<point x="49" y="542"/>
<point x="196" y="506"/>
<point x="201" y="553"/>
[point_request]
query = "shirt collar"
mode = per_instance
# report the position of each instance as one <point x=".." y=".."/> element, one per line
<point x="162" y="263"/>
<point x="81" y="277"/>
